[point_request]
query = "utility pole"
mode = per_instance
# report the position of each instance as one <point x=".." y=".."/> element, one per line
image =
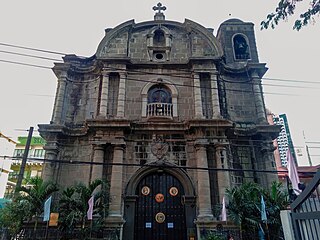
<point x="307" y="149"/>
<point x="24" y="161"/>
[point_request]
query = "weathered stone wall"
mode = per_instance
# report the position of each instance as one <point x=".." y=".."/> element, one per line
<point x="240" y="99"/>
<point x="81" y="98"/>
<point x="78" y="150"/>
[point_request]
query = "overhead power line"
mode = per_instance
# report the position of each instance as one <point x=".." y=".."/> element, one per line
<point x="186" y="71"/>
<point x="29" y="55"/>
<point x="77" y="162"/>
<point x="149" y="81"/>
<point x="25" y="64"/>
<point x="32" y="49"/>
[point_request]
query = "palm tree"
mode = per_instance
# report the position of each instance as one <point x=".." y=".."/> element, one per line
<point x="12" y="217"/>
<point x="276" y="200"/>
<point x="35" y="193"/>
<point x="243" y="206"/>
<point x="73" y="204"/>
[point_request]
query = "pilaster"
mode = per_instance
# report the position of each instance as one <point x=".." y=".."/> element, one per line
<point x="215" y="95"/>
<point x="104" y="94"/>
<point x="51" y="167"/>
<point x="121" y="95"/>
<point x="116" y="184"/>
<point x="197" y="96"/>
<point x="222" y="163"/>
<point x="59" y="101"/>
<point x="98" y="159"/>
<point x="204" y="193"/>
<point x="258" y="97"/>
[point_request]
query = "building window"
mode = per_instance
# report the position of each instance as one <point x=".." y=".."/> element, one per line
<point x="159" y="44"/>
<point x="113" y="90"/>
<point x="159" y="101"/>
<point x="241" y="47"/>
<point x="206" y="96"/>
<point x="18" y="152"/>
<point x="39" y="153"/>
<point x="159" y="38"/>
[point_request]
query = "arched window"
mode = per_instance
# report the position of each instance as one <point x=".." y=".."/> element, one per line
<point x="159" y="94"/>
<point x="159" y="39"/>
<point x="159" y="102"/>
<point x="241" y="47"/>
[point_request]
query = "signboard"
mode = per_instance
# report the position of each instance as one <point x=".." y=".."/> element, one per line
<point x="34" y="141"/>
<point x="148" y="224"/>
<point x="53" y="222"/>
<point x="170" y="225"/>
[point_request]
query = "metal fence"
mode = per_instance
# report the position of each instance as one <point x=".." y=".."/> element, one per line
<point x="306" y="211"/>
<point x="53" y="233"/>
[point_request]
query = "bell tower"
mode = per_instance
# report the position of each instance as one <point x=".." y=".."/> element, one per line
<point x="238" y="41"/>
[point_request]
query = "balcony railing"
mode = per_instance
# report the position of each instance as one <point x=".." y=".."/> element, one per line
<point x="159" y="110"/>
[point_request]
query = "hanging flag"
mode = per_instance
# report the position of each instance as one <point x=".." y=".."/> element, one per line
<point x="224" y="210"/>
<point x="47" y="205"/>
<point x="293" y="173"/>
<point x="90" y="209"/>
<point x="263" y="210"/>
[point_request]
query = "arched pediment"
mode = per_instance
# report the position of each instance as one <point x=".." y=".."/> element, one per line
<point x="111" y="34"/>
<point x="209" y="38"/>
<point x="183" y="41"/>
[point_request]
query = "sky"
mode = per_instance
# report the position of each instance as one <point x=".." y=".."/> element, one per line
<point x="77" y="27"/>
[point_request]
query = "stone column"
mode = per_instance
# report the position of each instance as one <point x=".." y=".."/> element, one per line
<point x="59" y="100"/>
<point x="116" y="184"/>
<point x="197" y="96"/>
<point x="121" y="95"/>
<point x="204" y="193"/>
<point x="50" y="167"/>
<point x="258" y="97"/>
<point x="174" y="106"/>
<point x="266" y="162"/>
<point x="215" y="96"/>
<point x="144" y="105"/>
<point x="104" y="94"/>
<point x="98" y="157"/>
<point x="222" y="163"/>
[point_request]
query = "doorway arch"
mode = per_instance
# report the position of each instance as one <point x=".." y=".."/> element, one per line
<point x="163" y="181"/>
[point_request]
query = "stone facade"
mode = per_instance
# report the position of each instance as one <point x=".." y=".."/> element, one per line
<point x="163" y="96"/>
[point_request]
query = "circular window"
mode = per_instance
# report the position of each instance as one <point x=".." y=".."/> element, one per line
<point x="159" y="56"/>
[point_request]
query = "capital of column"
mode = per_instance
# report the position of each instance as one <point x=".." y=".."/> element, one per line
<point x="220" y="146"/>
<point x="196" y="75"/>
<point x="119" y="147"/>
<point x="51" y="148"/>
<point x="123" y="74"/>
<point x="105" y="72"/>
<point x="62" y="76"/>
<point x="255" y="75"/>
<point x="201" y="144"/>
<point x="98" y="146"/>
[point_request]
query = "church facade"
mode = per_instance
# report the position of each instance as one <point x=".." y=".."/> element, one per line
<point x="171" y="115"/>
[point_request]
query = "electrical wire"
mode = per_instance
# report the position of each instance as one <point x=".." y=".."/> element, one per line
<point x="25" y="64"/>
<point x="32" y="56"/>
<point x="149" y="81"/>
<point x="186" y="71"/>
<point x="77" y="162"/>
<point x="32" y="49"/>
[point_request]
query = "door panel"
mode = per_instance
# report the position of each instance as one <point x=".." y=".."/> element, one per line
<point x="168" y="204"/>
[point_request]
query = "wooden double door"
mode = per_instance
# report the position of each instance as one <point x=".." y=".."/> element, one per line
<point x="160" y="212"/>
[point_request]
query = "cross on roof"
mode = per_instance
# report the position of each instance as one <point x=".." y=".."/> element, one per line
<point x="159" y="7"/>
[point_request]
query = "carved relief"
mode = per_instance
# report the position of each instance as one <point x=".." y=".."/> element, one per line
<point x="159" y="148"/>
